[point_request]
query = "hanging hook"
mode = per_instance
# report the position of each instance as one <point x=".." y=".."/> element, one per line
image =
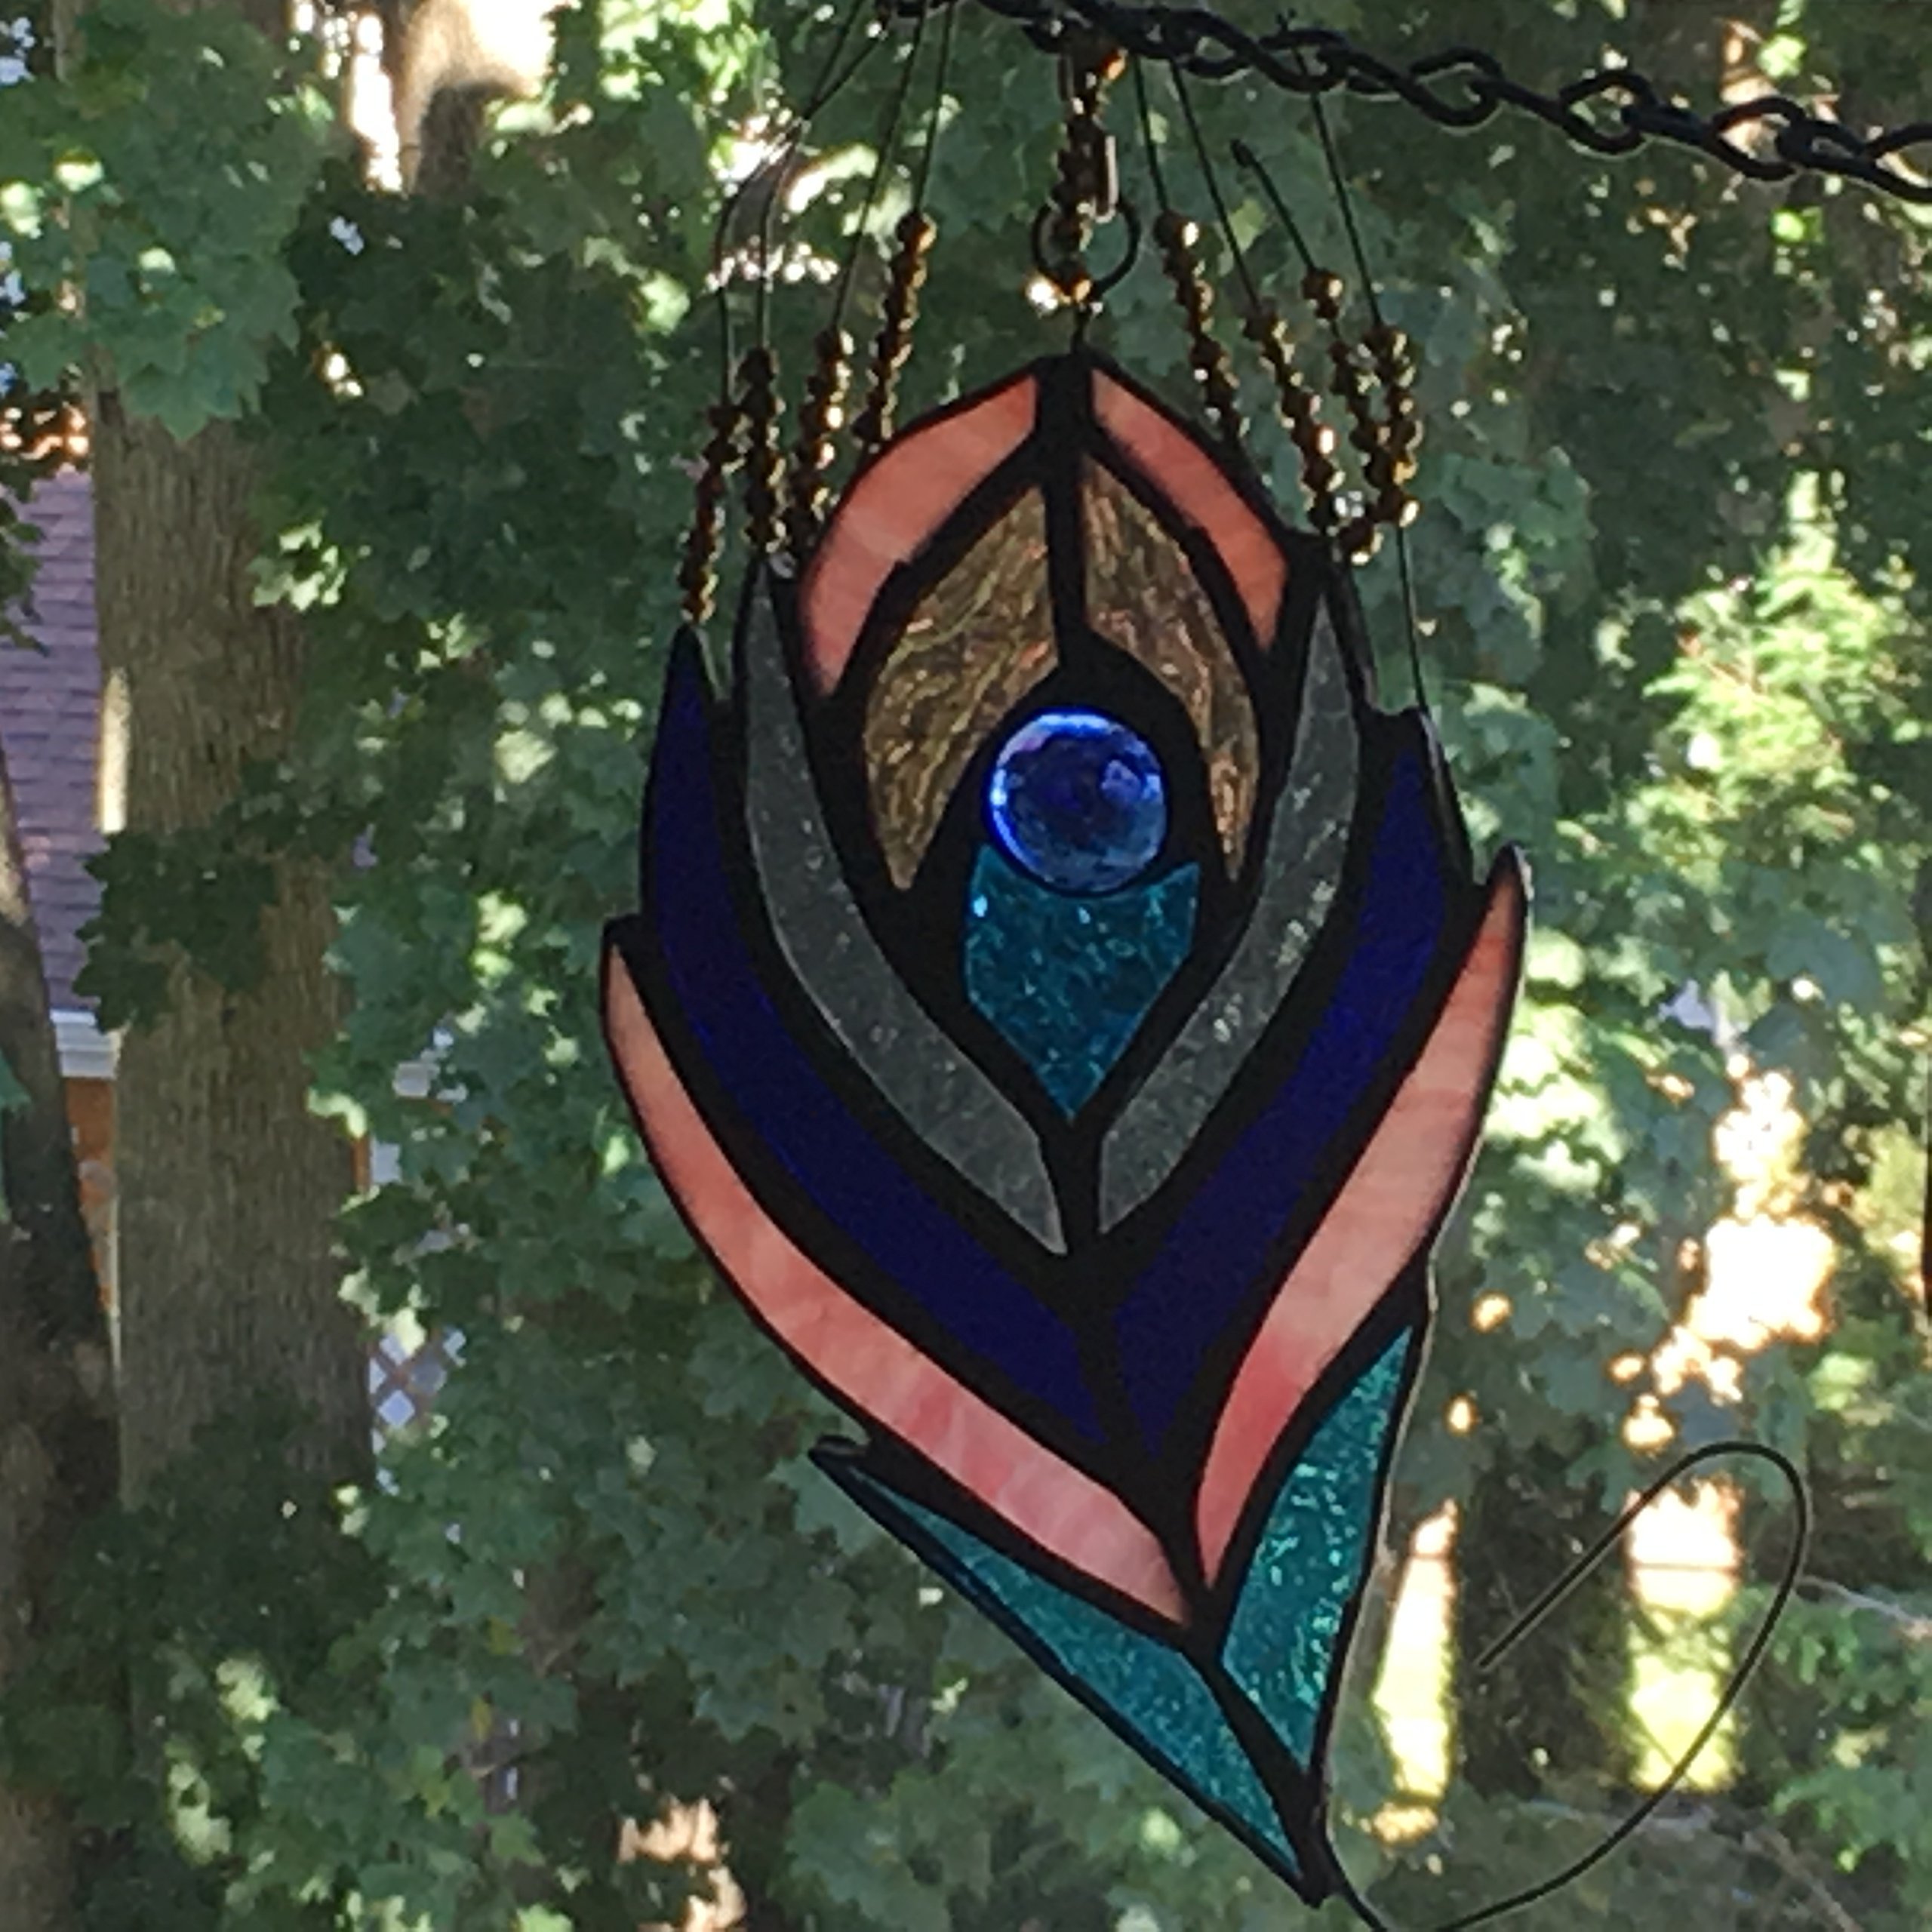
<point x="1087" y="293"/>
<point x="1086" y="189"/>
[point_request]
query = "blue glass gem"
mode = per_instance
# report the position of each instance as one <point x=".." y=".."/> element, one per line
<point x="1079" y="801"/>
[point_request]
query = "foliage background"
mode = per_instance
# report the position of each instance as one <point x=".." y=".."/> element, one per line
<point x="1673" y="582"/>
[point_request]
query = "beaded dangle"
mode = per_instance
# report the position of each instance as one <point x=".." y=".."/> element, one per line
<point x="697" y="571"/>
<point x="893" y="345"/>
<point x="1299" y="409"/>
<point x="1175" y="236"/>
<point x="1385" y="444"/>
<point x="760" y="409"/>
<point x="815" y="449"/>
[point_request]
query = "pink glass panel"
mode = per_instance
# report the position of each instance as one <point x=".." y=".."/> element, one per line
<point x="874" y="1368"/>
<point x="1182" y="471"/>
<point x="894" y="507"/>
<point x="1412" y="1165"/>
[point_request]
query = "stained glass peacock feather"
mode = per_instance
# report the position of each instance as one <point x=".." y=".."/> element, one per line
<point x="1063" y="1004"/>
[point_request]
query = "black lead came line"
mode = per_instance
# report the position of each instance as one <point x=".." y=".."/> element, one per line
<point x="1464" y="87"/>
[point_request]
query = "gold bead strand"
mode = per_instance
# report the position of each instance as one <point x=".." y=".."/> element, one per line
<point x="1323" y="289"/>
<point x="697" y="571"/>
<point x="1175" y="236"/>
<point x="894" y="342"/>
<point x="1300" y="410"/>
<point x="763" y="463"/>
<point x="813" y="451"/>
<point x="1392" y="465"/>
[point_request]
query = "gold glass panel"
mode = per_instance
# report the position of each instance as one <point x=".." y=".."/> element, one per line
<point x="978" y="641"/>
<point x="1143" y="598"/>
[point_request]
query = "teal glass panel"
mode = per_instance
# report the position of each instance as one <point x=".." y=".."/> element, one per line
<point x="1283" y="1638"/>
<point x="1068" y="980"/>
<point x="1156" y="1694"/>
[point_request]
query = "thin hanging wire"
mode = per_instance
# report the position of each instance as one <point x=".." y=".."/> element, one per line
<point x="1339" y="180"/>
<point x="913" y="235"/>
<point x="888" y="142"/>
<point x="1245" y="157"/>
<point x="1546" y="1605"/>
<point x="1312" y="441"/>
<point x="1208" y="174"/>
<point x="922" y="179"/>
<point x="786" y="162"/>
<point x="1146" y="115"/>
<point x="823" y="90"/>
<point x="819" y="412"/>
<point x="1176" y="235"/>
<point x="1411" y="621"/>
<point x="752" y="412"/>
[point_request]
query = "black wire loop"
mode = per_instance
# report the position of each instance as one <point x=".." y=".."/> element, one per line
<point x="1633" y="1820"/>
<point x="1099" y="285"/>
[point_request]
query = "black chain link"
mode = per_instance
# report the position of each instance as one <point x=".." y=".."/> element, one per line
<point x="1612" y="111"/>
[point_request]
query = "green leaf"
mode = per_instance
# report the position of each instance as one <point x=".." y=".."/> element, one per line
<point x="14" y="1098"/>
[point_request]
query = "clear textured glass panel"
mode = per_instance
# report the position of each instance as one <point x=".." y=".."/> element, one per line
<point x="1287" y="1628"/>
<point x="943" y="1096"/>
<point x="1307" y="844"/>
<point x="1067" y="980"/>
<point x="980" y="641"/>
<point x="1158" y="1695"/>
<point x="1142" y="597"/>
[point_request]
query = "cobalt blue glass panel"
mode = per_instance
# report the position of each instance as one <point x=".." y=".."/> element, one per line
<point x="1212" y="1252"/>
<point x="1281" y="1642"/>
<point x="1158" y="1696"/>
<point x="1079" y="801"/>
<point x="1067" y="981"/>
<point x="794" y="1112"/>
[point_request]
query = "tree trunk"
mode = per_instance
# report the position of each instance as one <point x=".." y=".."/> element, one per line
<point x="229" y="1287"/>
<point x="56" y="1430"/>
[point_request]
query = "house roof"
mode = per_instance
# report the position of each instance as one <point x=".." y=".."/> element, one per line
<point x="50" y="723"/>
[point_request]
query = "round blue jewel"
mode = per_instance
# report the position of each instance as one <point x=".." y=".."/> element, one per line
<point x="1079" y="801"/>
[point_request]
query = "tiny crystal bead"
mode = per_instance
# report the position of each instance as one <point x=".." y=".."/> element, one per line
<point x="1323" y="287"/>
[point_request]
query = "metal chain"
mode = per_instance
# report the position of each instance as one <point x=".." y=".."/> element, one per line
<point x="1613" y="111"/>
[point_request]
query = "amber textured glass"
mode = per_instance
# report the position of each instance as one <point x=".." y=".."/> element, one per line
<point x="978" y="641"/>
<point x="1143" y="597"/>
